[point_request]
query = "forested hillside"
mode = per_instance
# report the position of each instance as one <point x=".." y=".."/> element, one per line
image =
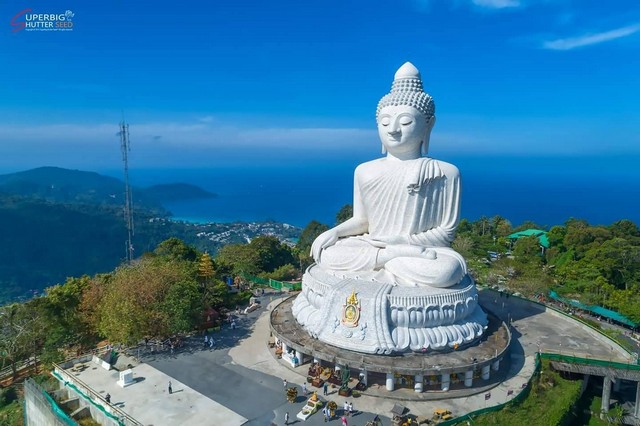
<point x="59" y="185"/>
<point x="56" y="223"/>
<point x="595" y="264"/>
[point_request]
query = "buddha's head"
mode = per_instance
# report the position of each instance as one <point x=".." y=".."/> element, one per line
<point x="406" y="115"/>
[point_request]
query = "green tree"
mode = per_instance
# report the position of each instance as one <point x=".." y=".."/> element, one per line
<point x="345" y="213"/>
<point x="283" y="273"/>
<point x="482" y="226"/>
<point x="308" y="235"/>
<point x="205" y="267"/>
<point x="175" y="248"/>
<point x="527" y="225"/>
<point x="272" y="254"/>
<point x="501" y="226"/>
<point x="150" y="298"/>
<point x="624" y="229"/>
<point x="238" y="258"/>
<point x="617" y="260"/>
<point x="262" y="254"/>
<point x="19" y="331"/>
<point x="527" y="250"/>
<point x="464" y="226"/>
<point x="464" y="245"/>
<point x="206" y="276"/>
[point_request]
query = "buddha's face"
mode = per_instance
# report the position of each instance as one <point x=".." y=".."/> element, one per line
<point x="403" y="129"/>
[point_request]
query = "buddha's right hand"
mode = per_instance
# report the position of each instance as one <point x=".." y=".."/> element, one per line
<point x="324" y="240"/>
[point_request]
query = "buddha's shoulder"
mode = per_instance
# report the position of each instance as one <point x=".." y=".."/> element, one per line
<point x="375" y="167"/>
<point x="447" y="168"/>
<point x="369" y="166"/>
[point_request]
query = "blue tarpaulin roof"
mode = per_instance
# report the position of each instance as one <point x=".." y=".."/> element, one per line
<point x="597" y="310"/>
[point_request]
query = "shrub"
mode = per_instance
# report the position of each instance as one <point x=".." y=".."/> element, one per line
<point x="7" y="396"/>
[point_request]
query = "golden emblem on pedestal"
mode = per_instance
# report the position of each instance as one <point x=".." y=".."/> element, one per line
<point x="351" y="311"/>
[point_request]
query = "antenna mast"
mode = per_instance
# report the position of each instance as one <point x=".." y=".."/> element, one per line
<point x="128" y="199"/>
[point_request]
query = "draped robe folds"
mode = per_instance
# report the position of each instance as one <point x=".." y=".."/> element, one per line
<point x="416" y="200"/>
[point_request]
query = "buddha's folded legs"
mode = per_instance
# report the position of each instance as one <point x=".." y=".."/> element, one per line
<point x="350" y="254"/>
<point x="440" y="267"/>
<point x="408" y="265"/>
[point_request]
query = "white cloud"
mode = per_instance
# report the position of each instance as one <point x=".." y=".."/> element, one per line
<point x="497" y="4"/>
<point x="184" y="144"/>
<point x="206" y="119"/>
<point x="591" y="39"/>
<point x="156" y="143"/>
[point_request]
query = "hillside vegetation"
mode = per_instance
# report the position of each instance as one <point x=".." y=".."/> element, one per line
<point x="56" y="223"/>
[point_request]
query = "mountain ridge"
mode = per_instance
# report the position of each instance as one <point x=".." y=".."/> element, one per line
<point x="74" y="186"/>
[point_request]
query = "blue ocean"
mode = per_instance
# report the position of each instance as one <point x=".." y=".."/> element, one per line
<point x="547" y="191"/>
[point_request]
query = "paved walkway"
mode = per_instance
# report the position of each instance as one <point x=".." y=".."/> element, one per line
<point x="149" y="402"/>
<point x="242" y="375"/>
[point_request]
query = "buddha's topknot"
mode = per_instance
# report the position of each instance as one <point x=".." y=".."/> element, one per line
<point x="407" y="90"/>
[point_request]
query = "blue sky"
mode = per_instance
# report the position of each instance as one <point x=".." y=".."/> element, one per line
<point x="254" y="82"/>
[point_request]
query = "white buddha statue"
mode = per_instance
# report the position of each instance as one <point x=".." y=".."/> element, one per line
<point x="405" y="206"/>
<point x="387" y="280"/>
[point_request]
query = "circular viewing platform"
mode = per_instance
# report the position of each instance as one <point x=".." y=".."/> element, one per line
<point x="485" y="353"/>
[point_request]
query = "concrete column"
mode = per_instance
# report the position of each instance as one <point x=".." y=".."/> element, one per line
<point x="468" y="378"/>
<point x="486" y="372"/>
<point x="300" y="356"/>
<point x="364" y="377"/>
<point x="636" y="412"/>
<point x="390" y="382"/>
<point x="446" y="381"/>
<point x="606" y="396"/>
<point x="585" y="383"/>
<point x="616" y="385"/>
<point x="418" y="380"/>
<point x="496" y="365"/>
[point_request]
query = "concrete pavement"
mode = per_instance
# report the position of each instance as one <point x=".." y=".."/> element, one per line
<point x="242" y="375"/>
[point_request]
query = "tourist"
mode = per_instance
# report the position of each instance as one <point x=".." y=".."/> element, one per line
<point x="345" y="408"/>
<point x="233" y="324"/>
<point x="170" y="388"/>
<point x="350" y="409"/>
<point x="211" y="343"/>
<point x="344" y="421"/>
<point x="108" y="398"/>
<point x="284" y="383"/>
<point x="304" y="389"/>
<point x="286" y="418"/>
<point x="325" y="388"/>
<point x="206" y="341"/>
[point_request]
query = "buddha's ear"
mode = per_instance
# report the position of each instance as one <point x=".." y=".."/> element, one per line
<point x="432" y="122"/>
<point x="424" y="147"/>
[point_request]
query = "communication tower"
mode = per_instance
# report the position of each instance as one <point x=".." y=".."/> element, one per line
<point x="125" y="147"/>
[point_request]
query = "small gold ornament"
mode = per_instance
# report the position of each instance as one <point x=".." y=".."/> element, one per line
<point x="351" y="311"/>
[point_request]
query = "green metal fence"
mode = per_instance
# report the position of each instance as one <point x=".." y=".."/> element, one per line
<point x="274" y="284"/>
<point x="588" y="361"/>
